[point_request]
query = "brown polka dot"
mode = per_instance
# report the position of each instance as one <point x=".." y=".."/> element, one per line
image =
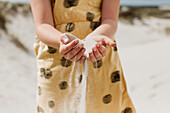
<point x="115" y="76"/>
<point x="115" y="48"/>
<point x="70" y="3"/>
<point x="97" y="64"/>
<point x="63" y="85"/>
<point x="65" y="62"/>
<point x="51" y="104"/>
<point x="127" y="110"/>
<point x="42" y="72"/>
<point x="51" y="50"/>
<point x="53" y="1"/>
<point x="107" y="98"/>
<point x="40" y="109"/>
<point x="94" y="25"/>
<point x="39" y="90"/>
<point x="80" y="78"/>
<point x="69" y="27"/>
<point x="48" y="73"/>
<point x="89" y="16"/>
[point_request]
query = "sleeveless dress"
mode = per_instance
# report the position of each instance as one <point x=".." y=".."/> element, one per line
<point x="106" y="87"/>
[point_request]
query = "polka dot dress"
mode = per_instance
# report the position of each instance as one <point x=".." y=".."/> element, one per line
<point x="106" y="90"/>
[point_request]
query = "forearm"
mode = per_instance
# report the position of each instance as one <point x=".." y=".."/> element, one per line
<point x="108" y="28"/>
<point x="48" y="35"/>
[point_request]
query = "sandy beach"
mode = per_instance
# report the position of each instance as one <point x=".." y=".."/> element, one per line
<point x="144" y="50"/>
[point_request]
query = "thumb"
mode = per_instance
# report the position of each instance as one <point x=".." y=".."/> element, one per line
<point x="64" y="39"/>
<point x="70" y="36"/>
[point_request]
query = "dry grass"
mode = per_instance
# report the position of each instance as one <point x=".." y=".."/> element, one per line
<point x="12" y="9"/>
<point x="167" y="31"/>
<point x="15" y="41"/>
<point x="3" y="22"/>
<point x="127" y="14"/>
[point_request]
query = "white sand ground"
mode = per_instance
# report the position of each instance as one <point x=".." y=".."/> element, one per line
<point x="146" y="62"/>
<point x="147" y="70"/>
<point x="17" y="68"/>
<point x="143" y="50"/>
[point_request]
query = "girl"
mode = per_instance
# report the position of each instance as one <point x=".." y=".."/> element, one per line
<point x="57" y="56"/>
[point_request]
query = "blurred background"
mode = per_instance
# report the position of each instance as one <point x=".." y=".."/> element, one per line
<point x="143" y="40"/>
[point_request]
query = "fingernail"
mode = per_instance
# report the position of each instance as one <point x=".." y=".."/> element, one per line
<point x="94" y="49"/>
<point x="66" y="40"/>
<point x="80" y="45"/>
<point x="82" y="50"/>
<point x="91" y="54"/>
<point x="76" y="41"/>
<point x="97" y="45"/>
<point x="83" y="57"/>
<point x="113" y="44"/>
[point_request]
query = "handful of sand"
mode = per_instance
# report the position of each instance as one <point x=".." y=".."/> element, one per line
<point x="88" y="44"/>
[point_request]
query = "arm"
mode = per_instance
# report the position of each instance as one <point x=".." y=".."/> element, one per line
<point x="110" y="13"/>
<point x="103" y="34"/>
<point x="44" y="24"/>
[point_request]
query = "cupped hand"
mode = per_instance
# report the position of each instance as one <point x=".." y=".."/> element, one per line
<point x="100" y="50"/>
<point x="71" y="49"/>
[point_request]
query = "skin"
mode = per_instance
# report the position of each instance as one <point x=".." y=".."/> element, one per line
<point x="44" y="26"/>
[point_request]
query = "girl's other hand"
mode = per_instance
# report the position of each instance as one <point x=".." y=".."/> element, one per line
<point x="100" y="49"/>
<point x="70" y="48"/>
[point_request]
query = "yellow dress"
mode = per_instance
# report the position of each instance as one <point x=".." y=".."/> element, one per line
<point x="106" y="87"/>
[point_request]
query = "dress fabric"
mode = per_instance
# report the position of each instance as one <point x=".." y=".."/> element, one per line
<point x="106" y="87"/>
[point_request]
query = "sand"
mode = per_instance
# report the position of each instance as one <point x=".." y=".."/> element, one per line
<point x="145" y="58"/>
<point x="88" y="44"/>
<point x="80" y="92"/>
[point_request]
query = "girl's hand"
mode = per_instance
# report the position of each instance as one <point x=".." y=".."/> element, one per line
<point x="100" y="49"/>
<point x="70" y="48"/>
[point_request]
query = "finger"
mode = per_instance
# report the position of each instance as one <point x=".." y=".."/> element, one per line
<point x="69" y="46"/>
<point x="74" y="51"/>
<point x="109" y="41"/>
<point x="96" y="53"/>
<point x="82" y="59"/>
<point x="73" y="59"/>
<point x="101" y="49"/>
<point x="64" y="39"/>
<point x="67" y="58"/>
<point x="91" y="57"/>
<point x="103" y="44"/>
<point x="80" y="54"/>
